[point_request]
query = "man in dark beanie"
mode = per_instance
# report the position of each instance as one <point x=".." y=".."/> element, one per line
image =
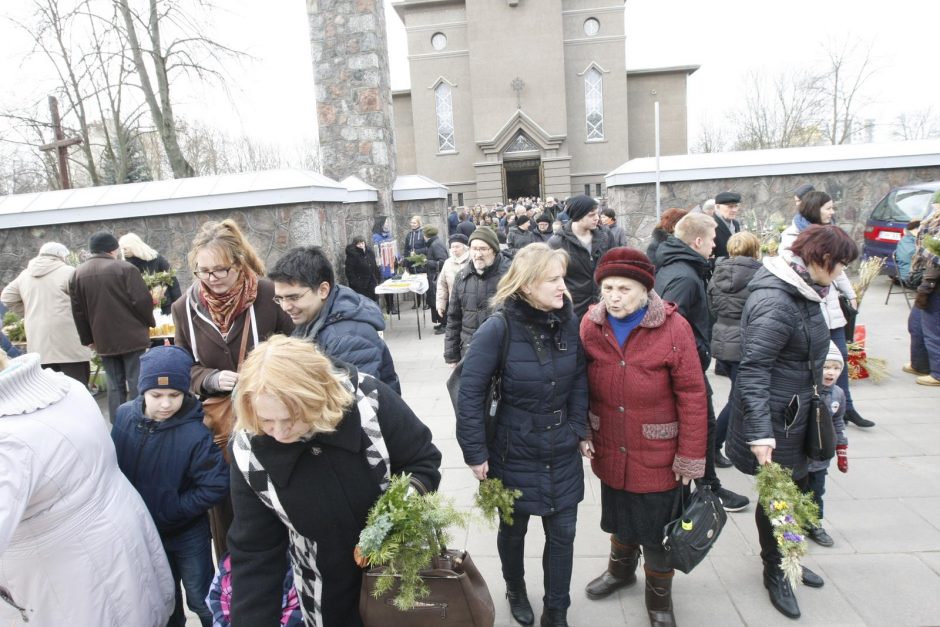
<point x="521" y="234"/>
<point x="544" y="224"/>
<point x="798" y="194"/>
<point x="113" y="312"/>
<point x="585" y="245"/>
<point x="474" y="286"/>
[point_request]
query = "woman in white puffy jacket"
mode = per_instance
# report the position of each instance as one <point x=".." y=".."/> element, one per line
<point x="77" y="544"/>
<point x="817" y="208"/>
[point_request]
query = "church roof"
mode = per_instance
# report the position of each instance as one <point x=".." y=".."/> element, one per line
<point x="779" y="161"/>
<point x="188" y="195"/>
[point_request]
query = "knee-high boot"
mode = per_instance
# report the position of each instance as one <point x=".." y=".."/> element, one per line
<point x="620" y="573"/>
<point x="659" y="598"/>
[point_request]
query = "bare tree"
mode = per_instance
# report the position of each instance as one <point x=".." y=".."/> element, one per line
<point x="778" y="111"/>
<point x="711" y="138"/>
<point x="850" y="67"/>
<point x="212" y="151"/>
<point x="922" y="124"/>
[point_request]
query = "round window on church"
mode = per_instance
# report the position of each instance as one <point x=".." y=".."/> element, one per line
<point x="439" y="41"/>
<point x="591" y="26"/>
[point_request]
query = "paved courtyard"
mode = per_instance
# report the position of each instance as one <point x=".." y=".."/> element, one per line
<point x="884" y="514"/>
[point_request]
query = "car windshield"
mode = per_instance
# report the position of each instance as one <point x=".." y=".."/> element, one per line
<point x="903" y="205"/>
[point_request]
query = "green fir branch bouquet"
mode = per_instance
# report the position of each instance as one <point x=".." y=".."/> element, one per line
<point x="493" y="498"/>
<point x="932" y="244"/>
<point x="404" y="532"/>
<point x="14" y="327"/>
<point x="790" y="511"/>
<point x="158" y="283"/>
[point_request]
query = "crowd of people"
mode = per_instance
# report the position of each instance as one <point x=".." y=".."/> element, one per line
<point x="279" y="394"/>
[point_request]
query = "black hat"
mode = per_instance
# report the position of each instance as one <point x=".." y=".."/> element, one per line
<point x="579" y="206"/>
<point x="728" y="198"/>
<point x="802" y="190"/>
<point x="544" y="218"/>
<point x="520" y="220"/>
<point x="458" y="237"/>
<point x="102" y="242"/>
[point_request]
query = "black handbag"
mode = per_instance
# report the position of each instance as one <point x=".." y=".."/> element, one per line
<point x="850" y="313"/>
<point x="494" y="390"/>
<point x="690" y="537"/>
<point x="820" y="442"/>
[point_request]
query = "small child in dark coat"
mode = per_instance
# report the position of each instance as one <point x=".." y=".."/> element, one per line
<point x="834" y="398"/>
<point x="168" y="455"/>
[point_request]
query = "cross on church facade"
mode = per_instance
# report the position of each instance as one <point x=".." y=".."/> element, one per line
<point x="518" y="85"/>
<point x="61" y="144"/>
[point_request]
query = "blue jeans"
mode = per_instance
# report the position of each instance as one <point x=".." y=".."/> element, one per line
<point x="721" y="429"/>
<point x="924" y="327"/>
<point x="191" y="562"/>
<point x="122" y="372"/>
<point x="817" y="485"/>
<point x="557" y="557"/>
<point x="838" y="336"/>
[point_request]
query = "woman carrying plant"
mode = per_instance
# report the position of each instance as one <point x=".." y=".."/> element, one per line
<point x="541" y="420"/>
<point x="228" y="311"/>
<point x="648" y="422"/>
<point x="149" y="261"/>
<point x="817" y="208"/>
<point x="784" y="342"/>
<point x="314" y="447"/>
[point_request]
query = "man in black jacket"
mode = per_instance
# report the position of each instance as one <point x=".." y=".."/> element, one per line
<point x="585" y="244"/>
<point x="522" y="234"/>
<point x="727" y="205"/>
<point x="474" y="286"/>
<point x="681" y="278"/>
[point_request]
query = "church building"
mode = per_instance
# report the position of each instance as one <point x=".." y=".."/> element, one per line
<point x="517" y="98"/>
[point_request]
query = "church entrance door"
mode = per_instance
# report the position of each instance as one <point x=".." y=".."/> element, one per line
<point x="522" y="177"/>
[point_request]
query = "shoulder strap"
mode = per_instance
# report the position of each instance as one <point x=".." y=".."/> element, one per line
<point x="504" y="348"/>
<point x="811" y="366"/>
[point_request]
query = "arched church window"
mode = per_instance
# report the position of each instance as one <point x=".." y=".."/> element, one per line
<point x="444" y="106"/>
<point x="594" y="104"/>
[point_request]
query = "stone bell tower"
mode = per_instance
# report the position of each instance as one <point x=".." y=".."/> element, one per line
<point x="353" y="91"/>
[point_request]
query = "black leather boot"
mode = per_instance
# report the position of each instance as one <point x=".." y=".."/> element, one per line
<point x="620" y="573"/>
<point x="781" y="592"/>
<point x="659" y="598"/>
<point x="519" y="605"/>
<point x="554" y="618"/>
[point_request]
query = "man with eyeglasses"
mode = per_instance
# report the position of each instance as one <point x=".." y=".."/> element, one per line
<point x="344" y="324"/>
<point x="473" y="288"/>
<point x="113" y="312"/>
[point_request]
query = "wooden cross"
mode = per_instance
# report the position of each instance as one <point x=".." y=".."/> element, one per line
<point x="60" y="145"/>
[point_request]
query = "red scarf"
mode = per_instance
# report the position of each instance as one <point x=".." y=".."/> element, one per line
<point x="224" y="308"/>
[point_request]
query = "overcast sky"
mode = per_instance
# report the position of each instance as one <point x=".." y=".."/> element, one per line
<point x="272" y="96"/>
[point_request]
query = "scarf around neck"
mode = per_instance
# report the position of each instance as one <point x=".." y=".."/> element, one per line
<point x="224" y="308"/>
<point x="800" y="269"/>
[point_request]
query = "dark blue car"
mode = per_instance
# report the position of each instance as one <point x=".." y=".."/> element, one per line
<point x="885" y="226"/>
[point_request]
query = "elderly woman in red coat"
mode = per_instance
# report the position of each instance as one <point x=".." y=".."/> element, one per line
<point x="648" y="421"/>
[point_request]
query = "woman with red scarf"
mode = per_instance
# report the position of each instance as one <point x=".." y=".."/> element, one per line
<point x="225" y="313"/>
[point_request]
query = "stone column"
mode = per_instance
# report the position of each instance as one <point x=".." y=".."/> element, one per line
<point x="354" y="96"/>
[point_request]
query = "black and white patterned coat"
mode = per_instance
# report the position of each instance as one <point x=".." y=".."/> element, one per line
<point x="312" y="498"/>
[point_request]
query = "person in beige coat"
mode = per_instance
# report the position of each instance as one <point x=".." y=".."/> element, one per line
<point x="40" y="294"/>
<point x="459" y="256"/>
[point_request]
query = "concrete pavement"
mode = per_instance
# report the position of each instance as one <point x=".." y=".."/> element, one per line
<point x="884" y="514"/>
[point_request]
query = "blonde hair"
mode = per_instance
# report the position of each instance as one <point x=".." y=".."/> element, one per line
<point x="296" y="373"/>
<point x="744" y="244"/>
<point x="228" y="240"/>
<point x="418" y="218"/>
<point x="137" y="248"/>
<point x="693" y="226"/>
<point x="530" y="265"/>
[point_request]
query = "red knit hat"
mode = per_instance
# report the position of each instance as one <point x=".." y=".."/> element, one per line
<point x="626" y="262"/>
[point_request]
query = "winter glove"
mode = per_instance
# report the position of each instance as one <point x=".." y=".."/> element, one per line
<point x="926" y="287"/>
<point x="842" y="453"/>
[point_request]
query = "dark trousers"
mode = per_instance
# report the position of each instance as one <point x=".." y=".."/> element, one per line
<point x="122" y="372"/>
<point x="710" y="478"/>
<point x="390" y="303"/>
<point x="78" y="370"/>
<point x="557" y="556"/>
<point x="191" y="563"/>
<point x="721" y="428"/>
<point x="838" y="337"/>
<point x="765" y="530"/>
<point x="816" y="483"/>
<point x="654" y="556"/>
<point x="924" y="327"/>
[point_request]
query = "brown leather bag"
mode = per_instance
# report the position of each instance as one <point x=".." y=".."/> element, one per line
<point x="459" y="597"/>
<point x="218" y="411"/>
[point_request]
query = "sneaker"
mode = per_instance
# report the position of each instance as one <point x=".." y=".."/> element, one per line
<point x="927" y="380"/>
<point x="820" y="537"/>
<point x="909" y="369"/>
<point x="853" y="416"/>
<point x="721" y="461"/>
<point x="731" y="501"/>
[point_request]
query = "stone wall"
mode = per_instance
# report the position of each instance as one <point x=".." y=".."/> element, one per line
<point x="271" y="230"/>
<point x="767" y="201"/>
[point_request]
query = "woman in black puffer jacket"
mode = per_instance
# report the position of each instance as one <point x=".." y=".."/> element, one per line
<point x="727" y="292"/>
<point x="541" y="420"/>
<point x="784" y="340"/>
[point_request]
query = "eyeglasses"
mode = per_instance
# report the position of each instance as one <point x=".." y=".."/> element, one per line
<point x="219" y="273"/>
<point x="290" y="298"/>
